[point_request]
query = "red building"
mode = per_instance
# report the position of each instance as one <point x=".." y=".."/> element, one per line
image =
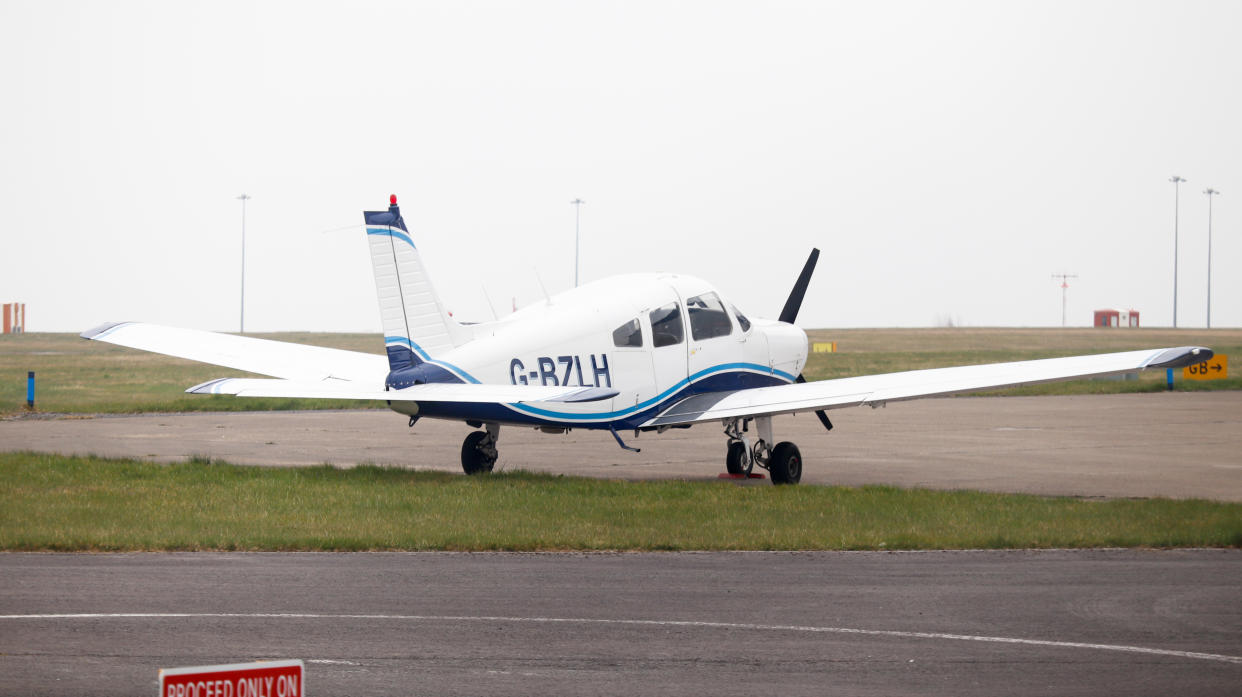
<point x="14" y="318"/>
<point x="1116" y="318"/>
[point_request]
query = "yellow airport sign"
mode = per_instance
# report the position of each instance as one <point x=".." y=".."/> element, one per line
<point x="1215" y="369"/>
<point x="824" y="347"/>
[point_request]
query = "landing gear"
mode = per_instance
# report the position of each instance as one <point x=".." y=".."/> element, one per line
<point x="738" y="461"/>
<point x="478" y="451"/>
<point x="784" y="462"/>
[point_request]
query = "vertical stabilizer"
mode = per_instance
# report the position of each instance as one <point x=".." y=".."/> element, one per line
<point x="416" y="326"/>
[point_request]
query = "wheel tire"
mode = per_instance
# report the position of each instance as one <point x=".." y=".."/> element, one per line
<point x="786" y="464"/>
<point x="737" y="461"/>
<point x="474" y="460"/>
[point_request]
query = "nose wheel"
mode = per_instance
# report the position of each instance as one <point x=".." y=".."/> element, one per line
<point x="738" y="460"/>
<point x="478" y="451"/>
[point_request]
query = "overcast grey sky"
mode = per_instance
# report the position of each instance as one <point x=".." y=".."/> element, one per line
<point x="947" y="157"/>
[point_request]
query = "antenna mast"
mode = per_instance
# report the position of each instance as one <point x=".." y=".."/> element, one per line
<point x="1064" y="287"/>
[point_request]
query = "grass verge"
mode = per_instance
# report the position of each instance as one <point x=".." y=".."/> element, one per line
<point x="50" y="502"/>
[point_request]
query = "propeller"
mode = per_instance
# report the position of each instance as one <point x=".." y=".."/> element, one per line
<point x="794" y="303"/>
<point x="823" y="418"/>
<point x="790" y="313"/>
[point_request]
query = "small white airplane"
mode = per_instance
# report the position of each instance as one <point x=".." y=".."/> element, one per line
<point x="639" y="352"/>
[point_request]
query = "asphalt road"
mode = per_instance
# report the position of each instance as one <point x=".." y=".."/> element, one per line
<point x="934" y="623"/>
<point x="1178" y="445"/>
<point x="952" y="623"/>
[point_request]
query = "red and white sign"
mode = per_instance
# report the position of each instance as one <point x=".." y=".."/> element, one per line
<point x="264" y="679"/>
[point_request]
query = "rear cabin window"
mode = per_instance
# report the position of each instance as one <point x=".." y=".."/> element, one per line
<point x="708" y="318"/>
<point x="628" y="334"/>
<point x="666" y="327"/>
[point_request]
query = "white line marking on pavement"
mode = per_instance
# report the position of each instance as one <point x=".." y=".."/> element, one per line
<point x="639" y="623"/>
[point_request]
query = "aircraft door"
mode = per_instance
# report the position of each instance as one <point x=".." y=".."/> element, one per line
<point x="716" y="346"/>
<point x="668" y="345"/>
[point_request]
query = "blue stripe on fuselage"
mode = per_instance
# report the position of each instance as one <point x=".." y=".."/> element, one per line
<point x="452" y="372"/>
<point x="624" y="419"/>
<point x="733" y="375"/>
<point x="391" y="233"/>
<point x="724" y="377"/>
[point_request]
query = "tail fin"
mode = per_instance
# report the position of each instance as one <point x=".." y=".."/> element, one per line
<point x="416" y="326"/>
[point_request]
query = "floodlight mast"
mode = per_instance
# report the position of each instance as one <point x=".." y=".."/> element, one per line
<point x="1176" y="181"/>
<point x="1064" y="288"/>
<point x="577" y="204"/>
<point x="243" y="198"/>
<point x="1209" y="192"/>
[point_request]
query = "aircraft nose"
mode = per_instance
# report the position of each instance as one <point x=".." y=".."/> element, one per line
<point x="788" y="348"/>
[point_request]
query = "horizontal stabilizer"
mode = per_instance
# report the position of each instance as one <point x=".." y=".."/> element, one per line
<point x="262" y="356"/>
<point x="915" y="384"/>
<point x="429" y="392"/>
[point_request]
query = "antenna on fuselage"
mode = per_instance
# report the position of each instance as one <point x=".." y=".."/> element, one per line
<point x="490" y="306"/>
<point x="541" y="286"/>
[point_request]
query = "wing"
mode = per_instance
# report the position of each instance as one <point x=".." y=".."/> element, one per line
<point x="430" y="392"/>
<point x="314" y="372"/>
<point x="275" y="358"/>
<point x="878" y="389"/>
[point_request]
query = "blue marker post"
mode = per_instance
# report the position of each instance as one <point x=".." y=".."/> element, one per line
<point x="1169" y="377"/>
<point x="30" y="390"/>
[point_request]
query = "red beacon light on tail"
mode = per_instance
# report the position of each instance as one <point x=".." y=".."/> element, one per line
<point x="392" y="200"/>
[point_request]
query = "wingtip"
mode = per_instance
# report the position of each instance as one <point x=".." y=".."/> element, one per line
<point x="1181" y="357"/>
<point x="207" y="387"/>
<point x="97" y="332"/>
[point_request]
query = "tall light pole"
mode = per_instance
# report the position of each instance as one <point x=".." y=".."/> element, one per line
<point x="577" y="204"/>
<point x="1210" y="192"/>
<point x="1176" y="181"/>
<point x="243" y="198"/>
<point x="1064" y="289"/>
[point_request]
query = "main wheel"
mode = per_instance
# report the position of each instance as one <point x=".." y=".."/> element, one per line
<point x="786" y="464"/>
<point x="738" y="461"/>
<point x="476" y="458"/>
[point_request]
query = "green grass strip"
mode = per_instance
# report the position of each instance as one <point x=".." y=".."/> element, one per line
<point x="50" y="502"/>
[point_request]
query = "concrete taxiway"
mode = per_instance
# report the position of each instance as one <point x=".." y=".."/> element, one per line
<point x="1177" y="445"/>
<point x="933" y="623"/>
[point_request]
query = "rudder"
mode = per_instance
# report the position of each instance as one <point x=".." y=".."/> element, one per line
<point x="416" y="325"/>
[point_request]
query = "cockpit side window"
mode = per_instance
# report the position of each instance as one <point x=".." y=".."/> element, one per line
<point x="708" y="318"/>
<point x="628" y="334"/>
<point x="666" y="326"/>
<point x="741" y="319"/>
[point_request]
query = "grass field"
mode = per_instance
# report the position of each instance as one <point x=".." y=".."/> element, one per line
<point x="78" y="376"/>
<point x="89" y="504"/>
<point x="867" y="351"/>
<point x="74" y="375"/>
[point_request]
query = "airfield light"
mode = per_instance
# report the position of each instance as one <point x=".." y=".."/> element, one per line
<point x="577" y="204"/>
<point x="1176" y="181"/>
<point x="1064" y="289"/>
<point x="243" y="198"/>
<point x="392" y="200"/>
<point x="1209" y="192"/>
